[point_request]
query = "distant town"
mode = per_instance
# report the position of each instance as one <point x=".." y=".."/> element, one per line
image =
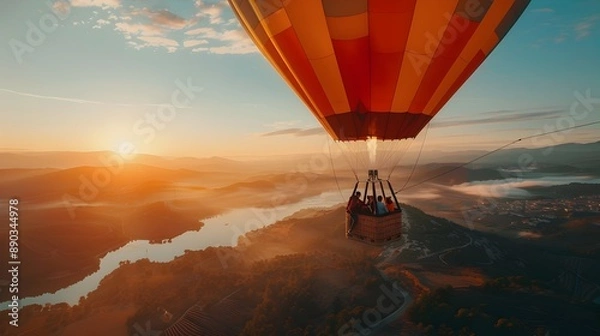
<point x="528" y="213"/>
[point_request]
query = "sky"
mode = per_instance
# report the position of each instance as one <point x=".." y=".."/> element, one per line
<point x="85" y="75"/>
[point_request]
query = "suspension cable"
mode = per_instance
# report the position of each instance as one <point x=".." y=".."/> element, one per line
<point x="417" y="160"/>
<point x="497" y="150"/>
<point x="334" y="174"/>
<point x="346" y="148"/>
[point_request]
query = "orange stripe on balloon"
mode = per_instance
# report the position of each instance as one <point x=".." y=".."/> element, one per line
<point x="453" y="41"/>
<point x="328" y="73"/>
<point x="430" y="20"/>
<point x="389" y="26"/>
<point x="353" y="61"/>
<point x="294" y="56"/>
<point x="484" y="39"/>
<point x="276" y="23"/>
<point x="348" y="27"/>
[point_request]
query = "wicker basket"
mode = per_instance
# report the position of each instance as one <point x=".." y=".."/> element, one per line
<point x="375" y="229"/>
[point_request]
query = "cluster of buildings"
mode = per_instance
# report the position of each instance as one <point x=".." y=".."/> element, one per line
<point x="538" y="212"/>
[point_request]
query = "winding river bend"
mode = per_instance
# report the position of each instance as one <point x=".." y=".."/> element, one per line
<point x="221" y="230"/>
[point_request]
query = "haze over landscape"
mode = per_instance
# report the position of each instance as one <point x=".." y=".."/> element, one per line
<point x="166" y="181"/>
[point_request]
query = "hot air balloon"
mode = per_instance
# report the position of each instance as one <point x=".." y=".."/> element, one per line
<point x="376" y="71"/>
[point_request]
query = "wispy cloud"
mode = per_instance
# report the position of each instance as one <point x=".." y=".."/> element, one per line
<point x="584" y="28"/>
<point x="561" y="37"/>
<point x="503" y="113"/>
<point x="135" y="29"/>
<point x="74" y="100"/>
<point x="502" y="116"/>
<point x="145" y="28"/>
<point x="579" y="30"/>
<point x="163" y="18"/>
<point x="279" y="124"/>
<point x="193" y="43"/>
<point x="100" y="23"/>
<point x="512" y="187"/>
<point x="212" y="11"/>
<point x="558" y="29"/>
<point x="228" y="41"/>
<point x="299" y="132"/>
<point x="159" y="41"/>
<point x="96" y="3"/>
<point x="62" y="7"/>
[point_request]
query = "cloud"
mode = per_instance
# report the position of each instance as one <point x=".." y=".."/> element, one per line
<point x="193" y="43"/>
<point x="135" y="45"/>
<point x="579" y="31"/>
<point x="561" y="38"/>
<point x="129" y="29"/>
<point x="234" y="48"/>
<point x="213" y="12"/>
<point x="62" y="7"/>
<point x="502" y="116"/>
<point x="205" y="32"/>
<point x="100" y="23"/>
<point x="505" y="113"/>
<point x="280" y="124"/>
<point x="146" y="28"/>
<point x="159" y="41"/>
<point x="73" y="100"/>
<point x="96" y="3"/>
<point x="422" y="194"/>
<point x="299" y="132"/>
<point x="210" y="28"/>
<point x="223" y="37"/>
<point x="163" y="18"/>
<point x="232" y="41"/>
<point x="515" y="187"/>
<point x="584" y="28"/>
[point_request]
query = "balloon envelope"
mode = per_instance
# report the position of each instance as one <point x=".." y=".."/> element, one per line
<point x="376" y="68"/>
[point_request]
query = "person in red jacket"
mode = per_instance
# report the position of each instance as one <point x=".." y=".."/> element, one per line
<point x="355" y="205"/>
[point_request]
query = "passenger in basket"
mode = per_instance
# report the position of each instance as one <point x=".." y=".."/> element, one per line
<point x="389" y="204"/>
<point x="381" y="209"/>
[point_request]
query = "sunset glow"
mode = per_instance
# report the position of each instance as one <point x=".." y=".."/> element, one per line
<point x="103" y="64"/>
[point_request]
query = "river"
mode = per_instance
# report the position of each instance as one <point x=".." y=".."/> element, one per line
<point x="221" y="230"/>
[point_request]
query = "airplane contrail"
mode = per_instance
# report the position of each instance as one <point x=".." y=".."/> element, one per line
<point x="78" y="101"/>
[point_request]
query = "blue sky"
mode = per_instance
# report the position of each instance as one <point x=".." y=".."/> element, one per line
<point x="101" y="66"/>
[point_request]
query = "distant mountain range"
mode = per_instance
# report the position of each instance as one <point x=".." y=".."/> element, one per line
<point x="63" y="160"/>
<point x="571" y="154"/>
<point x="581" y="156"/>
